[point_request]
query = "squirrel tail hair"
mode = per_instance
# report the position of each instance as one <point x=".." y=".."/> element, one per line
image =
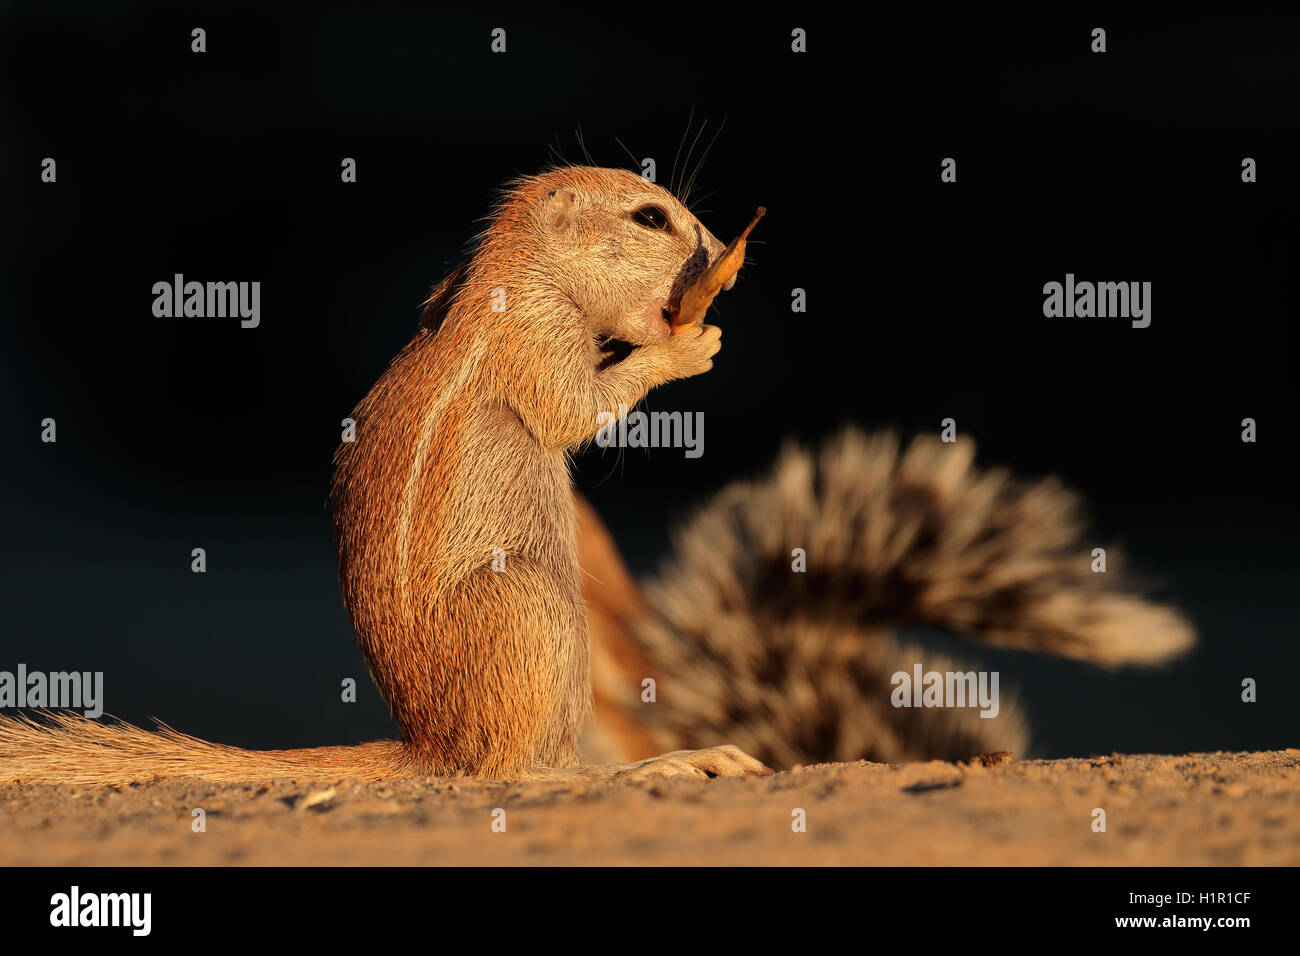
<point x="794" y="666"/>
<point x="70" y="749"/>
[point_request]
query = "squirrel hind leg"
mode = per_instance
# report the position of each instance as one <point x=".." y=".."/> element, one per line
<point x="507" y="685"/>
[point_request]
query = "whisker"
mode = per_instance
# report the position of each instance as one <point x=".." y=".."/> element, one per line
<point x="672" y="179"/>
<point x="682" y="198"/>
<point x="583" y="146"/>
<point x="690" y="183"/>
<point x="711" y="192"/>
<point x="636" y="163"/>
<point x="557" y="153"/>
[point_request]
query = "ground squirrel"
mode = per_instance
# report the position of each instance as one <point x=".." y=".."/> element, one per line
<point x="462" y="454"/>
<point x="460" y="461"/>
<point x="453" y="508"/>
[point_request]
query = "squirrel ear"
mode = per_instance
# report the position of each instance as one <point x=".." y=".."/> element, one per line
<point x="560" y="208"/>
<point x="440" y="299"/>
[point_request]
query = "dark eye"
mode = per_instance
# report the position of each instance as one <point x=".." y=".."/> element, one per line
<point x="652" y="217"/>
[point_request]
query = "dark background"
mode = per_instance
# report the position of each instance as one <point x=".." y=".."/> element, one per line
<point x="925" y="301"/>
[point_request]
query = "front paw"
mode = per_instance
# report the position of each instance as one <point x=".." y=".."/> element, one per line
<point x="691" y="352"/>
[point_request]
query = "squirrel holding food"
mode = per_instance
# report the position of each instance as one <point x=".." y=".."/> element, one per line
<point x="488" y="598"/>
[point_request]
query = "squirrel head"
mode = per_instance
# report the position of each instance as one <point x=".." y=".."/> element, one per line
<point x="620" y="248"/>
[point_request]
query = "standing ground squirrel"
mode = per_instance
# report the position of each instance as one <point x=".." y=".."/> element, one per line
<point x="453" y="508"/>
<point x="462" y="454"/>
<point x="473" y="584"/>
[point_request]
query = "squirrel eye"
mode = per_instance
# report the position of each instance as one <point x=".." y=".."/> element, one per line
<point x="652" y="217"/>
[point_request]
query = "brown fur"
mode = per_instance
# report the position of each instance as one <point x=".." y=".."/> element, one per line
<point x="461" y="449"/>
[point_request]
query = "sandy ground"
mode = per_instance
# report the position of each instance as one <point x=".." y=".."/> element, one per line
<point x="1199" y="809"/>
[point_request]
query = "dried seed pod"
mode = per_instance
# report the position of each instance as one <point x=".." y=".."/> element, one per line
<point x="697" y="299"/>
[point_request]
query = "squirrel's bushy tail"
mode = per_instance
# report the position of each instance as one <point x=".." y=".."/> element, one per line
<point x="64" y="748"/>
<point x="795" y="666"/>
